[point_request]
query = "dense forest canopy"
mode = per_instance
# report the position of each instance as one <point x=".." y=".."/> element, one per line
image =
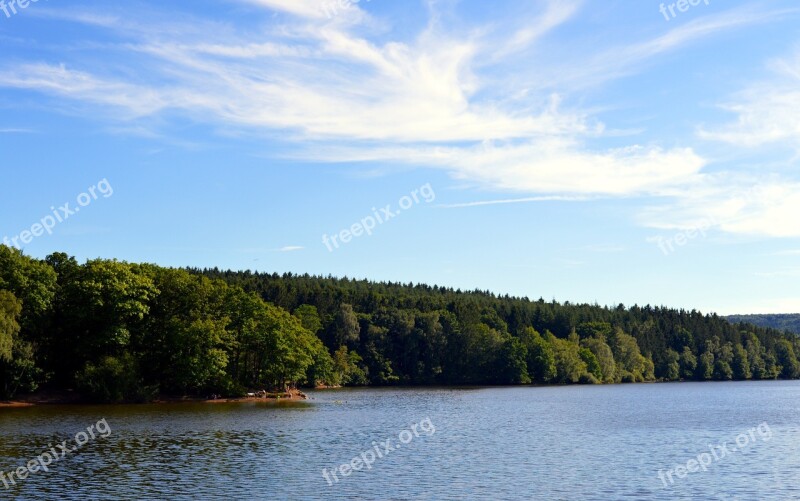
<point x="783" y="322"/>
<point x="118" y="331"/>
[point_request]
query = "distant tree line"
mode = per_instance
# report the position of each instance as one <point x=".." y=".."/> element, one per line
<point x="116" y="331"/>
<point x="784" y="322"/>
<point x="418" y="334"/>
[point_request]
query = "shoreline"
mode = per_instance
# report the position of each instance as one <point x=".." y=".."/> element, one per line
<point x="68" y="398"/>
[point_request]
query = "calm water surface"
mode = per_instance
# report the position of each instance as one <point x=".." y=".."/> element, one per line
<point x="605" y="442"/>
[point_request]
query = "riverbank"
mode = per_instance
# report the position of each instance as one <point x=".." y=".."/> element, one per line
<point x="70" y="398"/>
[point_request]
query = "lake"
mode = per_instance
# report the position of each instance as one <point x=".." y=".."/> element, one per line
<point x="579" y="442"/>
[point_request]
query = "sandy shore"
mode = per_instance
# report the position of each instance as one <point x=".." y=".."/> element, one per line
<point x="291" y="395"/>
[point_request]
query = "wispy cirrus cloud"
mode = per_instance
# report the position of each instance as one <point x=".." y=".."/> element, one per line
<point x="504" y="201"/>
<point x="621" y="60"/>
<point x="768" y="112"/>
<point x="737" y="205"/>
<point x="338" y="93"/>
<point x="311" y="9"/>
<point x="12" y="130"/>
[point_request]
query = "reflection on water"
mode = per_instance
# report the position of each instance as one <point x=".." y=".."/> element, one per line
<point x="571" y="443"/>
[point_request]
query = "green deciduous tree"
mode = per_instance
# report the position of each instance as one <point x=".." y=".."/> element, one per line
<point x="309" y="317"/>
<point x="345" y="326"/>
<point x="125" y="331"/>
<point x="10" y="309"/>
<point x="569" y="364"/>
<point x="604" y="356"/>
<point x="705" y="366"/>
<point x="688" y="363"/>
<point x="755" y="356"/>
<point x="541" y="360"/>
<point x="592" y="365"/>
<point x="632" y="365"/>
<point x="786" y="359"/>
<point x="741" y="363"/>
<point x="671" y="370"/>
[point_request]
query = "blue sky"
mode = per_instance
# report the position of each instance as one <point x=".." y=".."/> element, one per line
<point x="603" y="152"/>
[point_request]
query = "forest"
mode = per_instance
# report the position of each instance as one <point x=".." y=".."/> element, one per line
<point x="785" y="322"/>
<point x="115" y="331"/>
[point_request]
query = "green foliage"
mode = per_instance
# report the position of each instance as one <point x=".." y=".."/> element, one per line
<point x="755" y="357"/>
<point x="688" y="363"/>
<point x="120" y="331"/>
<point x="10" y="309"/>
<point x="114" y="380"/>
<point x="513" y="364"/>
<point x="785" y="355"/>
<point x="33" y="282"/>
<point x="541" y="360"/>
<point x="21" y="374"/>
<point x="201" y="362"/>
<point x="782" y="322"/>
<point x="309" y="317"/>
<point x="596" y="330"/>
<point x="632" y="365"/>
<point x="322" y="369"/>
<point x="347" y="368"/>
<point x="741" y="363"/>
<point x="463" y="337"/>
<point x="671" y="370"/>
<point x="722" y="370"/>
<point x="345" y="326"/>
<point x="705" y="366"/>
<point x="605" y="358"/>
<point x="592" y="365"/>
<point x="18" y="370"/>
<point x="569" y="364"/>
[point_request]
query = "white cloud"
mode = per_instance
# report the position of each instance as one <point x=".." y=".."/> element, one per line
<point x="430" y="101"/>
<point x="604" y="64"/>
<point x="554" y="165"/>
<point x="550" y="198"/>
<point x="553" y="15"/>
<point x="135" y="101"/>
<point x="303" y="8"/>
<point x="76" y="16"/>
<point x="768" y="112"/>
<point x="766" y="208"/>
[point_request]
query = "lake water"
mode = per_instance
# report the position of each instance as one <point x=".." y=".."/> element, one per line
<point x="580" y="442"/>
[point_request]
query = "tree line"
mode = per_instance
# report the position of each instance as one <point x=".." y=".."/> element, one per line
<point x="118" y="331"/>
<point x="789" y="322"/>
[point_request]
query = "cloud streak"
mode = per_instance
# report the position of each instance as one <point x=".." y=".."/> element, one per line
<point x="344" y="89"/>
<point x="767" y="112"/>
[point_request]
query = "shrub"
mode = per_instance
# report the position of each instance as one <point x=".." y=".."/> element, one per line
<point x="114" y="380"/>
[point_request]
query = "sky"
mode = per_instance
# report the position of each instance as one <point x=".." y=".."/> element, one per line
<point x="615" y="151"/>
